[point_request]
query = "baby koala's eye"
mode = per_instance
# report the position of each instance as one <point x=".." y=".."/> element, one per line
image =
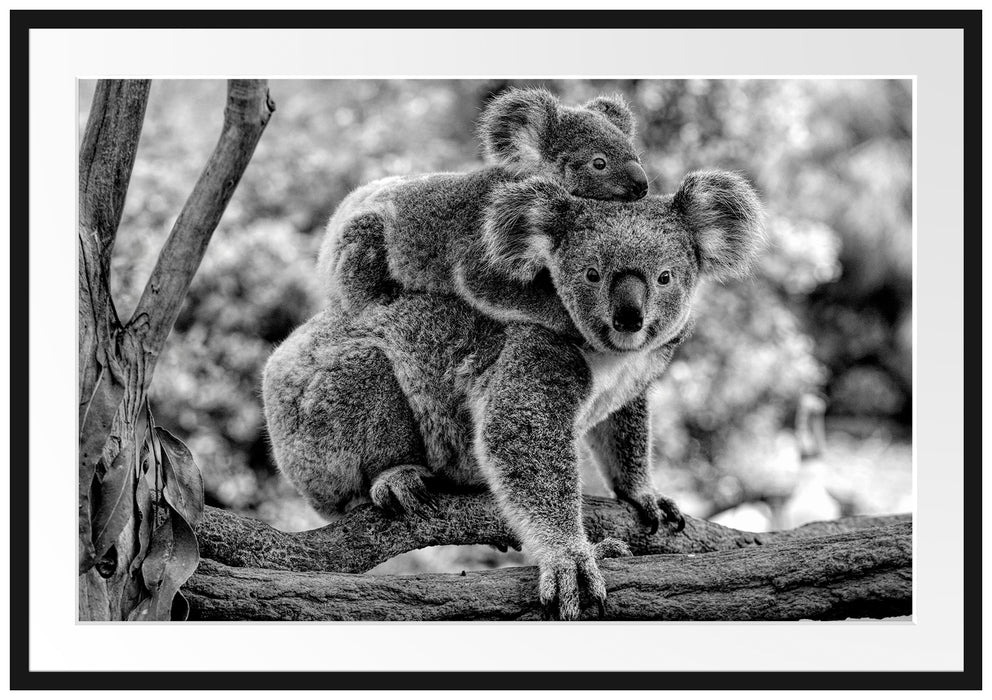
<point x="599" y="163"/>
<point x="592" y="274"/>
<point x="665" y="277"/>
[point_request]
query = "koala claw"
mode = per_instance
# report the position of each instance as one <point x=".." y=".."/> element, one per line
<point x="654" y="509"/>
<point x="401" y="491"/>
<point x="559" y="584"/>
<point x="672" y="513"/>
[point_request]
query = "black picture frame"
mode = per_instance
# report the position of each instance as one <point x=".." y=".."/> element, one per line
<point x="22" y="678"/>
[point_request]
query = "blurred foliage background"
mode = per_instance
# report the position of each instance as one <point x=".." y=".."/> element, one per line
<point x="825" y="326"/>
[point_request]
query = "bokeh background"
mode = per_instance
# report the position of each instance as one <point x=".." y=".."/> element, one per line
<point x="793" y="399"/>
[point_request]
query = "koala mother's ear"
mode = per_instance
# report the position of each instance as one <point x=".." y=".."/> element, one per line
<point x="514" y="126"/>
<point x="522" y="224"/>
<point x="616" y="110"/>
<point x="725" y="216"/>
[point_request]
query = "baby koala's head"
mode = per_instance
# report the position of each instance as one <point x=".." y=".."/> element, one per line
<point x="589" y="149"/>
<point x="626" y="273"/>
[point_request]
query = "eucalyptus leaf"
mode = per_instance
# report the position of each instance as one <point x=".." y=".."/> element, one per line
<point x="116" y="493"/>
<point x="97" y="416"/>
<point x="141" y="611"/>
<point x="180" y="607"/>
<point x="172" y="558"/>
<point x="159" y="551"/>
<point x="143" y="503"/>
<point x="156" y="477"/>
<point x="106" y="565"/>
<point x="183" y="482"/>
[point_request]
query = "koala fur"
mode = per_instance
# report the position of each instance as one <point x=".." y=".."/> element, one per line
<point x="377" y="405"/>
<point x="412" y="233"/>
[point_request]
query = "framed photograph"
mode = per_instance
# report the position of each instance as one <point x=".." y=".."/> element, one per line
<point x="510" y="349"/>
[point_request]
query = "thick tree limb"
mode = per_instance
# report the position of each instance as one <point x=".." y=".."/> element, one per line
<point x="248" y="110"/>
<point x="365" y="537"/>
<point x="864" y="573"/>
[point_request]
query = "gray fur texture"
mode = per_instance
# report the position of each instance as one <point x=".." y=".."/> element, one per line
<point x="724" y="212"/>
<point x="593" y="251"/>
<point x="377" y="405"/>
<point x="413" y="233"/>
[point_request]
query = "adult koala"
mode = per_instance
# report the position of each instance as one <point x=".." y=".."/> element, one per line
<point x="424" y="388"/>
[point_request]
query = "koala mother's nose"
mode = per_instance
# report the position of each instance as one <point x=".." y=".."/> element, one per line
<point x="627" y="320"/>
<point x="638" y="179"/>
<point x="629" y="293"/>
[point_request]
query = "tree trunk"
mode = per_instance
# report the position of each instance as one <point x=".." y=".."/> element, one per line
<point x="116" y="360"/>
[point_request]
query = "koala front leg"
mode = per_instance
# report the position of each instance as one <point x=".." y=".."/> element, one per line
<point x="525" y="442"/>
<point x="622" y="446"/>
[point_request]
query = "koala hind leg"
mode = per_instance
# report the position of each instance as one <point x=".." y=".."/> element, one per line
<point x="385" y="436"/>
<point x="341" y="427"/>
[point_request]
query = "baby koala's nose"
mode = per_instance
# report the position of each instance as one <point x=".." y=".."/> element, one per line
<point x="638" y="179"/>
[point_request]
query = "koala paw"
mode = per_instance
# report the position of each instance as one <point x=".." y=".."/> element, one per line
<point x="562" y="575"/>
<point x="611" y="548"/>
<point x="401" y="491"/>
<point x="654" y="509"/>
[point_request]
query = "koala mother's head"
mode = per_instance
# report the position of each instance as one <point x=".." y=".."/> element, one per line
<point x="589" y="149"/>
<point x="626" y="273"/>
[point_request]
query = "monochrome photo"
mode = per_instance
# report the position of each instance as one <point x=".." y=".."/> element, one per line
<point x="496" y="349"/>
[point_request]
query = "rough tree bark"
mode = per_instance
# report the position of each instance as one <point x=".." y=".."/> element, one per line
<point x="852" y="567"/>
<point x="865" y="572"/>
<point x="366" y="538"/>
<point x="116" y="359"/>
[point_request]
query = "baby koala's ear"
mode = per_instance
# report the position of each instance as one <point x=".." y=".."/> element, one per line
<point x="522" y="224"/>
<point x="616" y="110"/>
<point x="514" y="126"/>
<point x="724" y="214"/>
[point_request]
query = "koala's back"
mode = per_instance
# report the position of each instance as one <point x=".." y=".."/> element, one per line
<point x="403" y="232"/>
<point x="431" y="220"/>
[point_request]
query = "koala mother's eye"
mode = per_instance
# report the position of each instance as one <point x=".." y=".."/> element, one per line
<point x="599" y="163"/>
<point x="592" y="275"/>
<point x="665" y="277"/>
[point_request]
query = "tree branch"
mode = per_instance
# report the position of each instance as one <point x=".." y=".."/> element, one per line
<point x="106" y="158"/>
<point x="248" y="110"/>
<point x="864" y="573"/>
<point x="365" y="537"/>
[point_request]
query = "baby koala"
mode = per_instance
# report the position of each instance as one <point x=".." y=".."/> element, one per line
<point x="382" y="404"/>
<point x="412" y="233"/>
